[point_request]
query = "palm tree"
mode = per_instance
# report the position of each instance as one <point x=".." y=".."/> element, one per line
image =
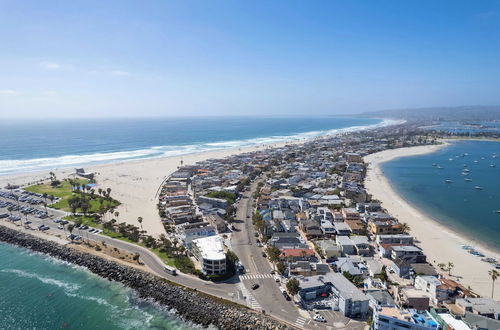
<point x="494" y="275"/>
<point x="139" y="219"/>
<point x="405" y="227"/>
<point x="99" y="191"/>
<point x="116" y="215"/>
<point x="450" y="267"/>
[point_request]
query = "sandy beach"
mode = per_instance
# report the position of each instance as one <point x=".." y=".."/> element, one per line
<point x="439" y="243"/>
<point x="135" y="183"/>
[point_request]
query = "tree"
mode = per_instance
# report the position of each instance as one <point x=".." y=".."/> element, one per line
<point x="281" y="268"/>
<point x="70" y="229"/>
<point x="136" y="257"/>
<point x="494" y="275"/>
<point x="450" y="267"/>
<point x="273" y="253"/>
<point x="405" y="227"/>
<point x="441" y="265"/>
<point x="139" y="219"/>
<point x="293" y="286"/>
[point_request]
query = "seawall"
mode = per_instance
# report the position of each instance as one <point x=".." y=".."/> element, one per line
<point x="193" y="306"/>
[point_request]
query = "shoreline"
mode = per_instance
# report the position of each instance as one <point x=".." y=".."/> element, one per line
<point x="439" y="242"/>
<point x="231" y="145"/>
<point x="199" y="308"/>
<point x="135" y="183"/>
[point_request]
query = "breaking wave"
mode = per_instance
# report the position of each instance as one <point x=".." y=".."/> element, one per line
<point x="37" y="164"/>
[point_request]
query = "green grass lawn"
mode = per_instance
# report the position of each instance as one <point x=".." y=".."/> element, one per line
<point x="64" y="192"/>
<point x="61" y="191"/>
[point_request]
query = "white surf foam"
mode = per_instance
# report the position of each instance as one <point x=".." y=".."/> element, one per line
<point x="38" y="164"/>
<point x="71" y="287"/>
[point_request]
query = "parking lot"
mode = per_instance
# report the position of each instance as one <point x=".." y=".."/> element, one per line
<point x="27" y="209"/>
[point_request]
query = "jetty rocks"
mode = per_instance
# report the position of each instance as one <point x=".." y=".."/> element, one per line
<point x="191" y="305"/>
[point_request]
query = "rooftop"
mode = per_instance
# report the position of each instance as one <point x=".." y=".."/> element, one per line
<point x="211" y="247"/>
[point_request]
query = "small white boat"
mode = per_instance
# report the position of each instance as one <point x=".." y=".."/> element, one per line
<point x="448" y="181"/>
<point x="498" y="211"/>
<point x="434" y="164"/>
<point x="466" y="170"/>
<point x="468" y="180"/>
<point x="440" y="167"/>
<point x="478" y="187"/>
<point x="493" y="165"/>
<point x="476" y="161"/>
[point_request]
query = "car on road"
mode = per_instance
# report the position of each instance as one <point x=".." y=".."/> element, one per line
<point x="277" y="279"/>
<point x="318" y="318"/>
<point x="264" y="254"/>
<point x="43" y="228"/>
<point x="255" y="286"/>
<point x="60" y="227"/>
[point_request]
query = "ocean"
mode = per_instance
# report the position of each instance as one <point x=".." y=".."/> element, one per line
<point x="30" y="145"/>
<point x="457" y="205"/>
<point x="40" y="292"/>
<point x="43" y="293"/>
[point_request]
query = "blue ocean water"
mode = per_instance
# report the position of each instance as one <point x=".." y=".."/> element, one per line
<point x="48" y="144"/>
<point x="457" y="205"/>
<point x="39" y="292"/>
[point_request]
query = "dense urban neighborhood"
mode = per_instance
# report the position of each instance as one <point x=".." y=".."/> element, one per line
<point x="290" y="232"/>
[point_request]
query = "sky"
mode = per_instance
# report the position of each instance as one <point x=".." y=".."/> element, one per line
<point x="209" y="57"/>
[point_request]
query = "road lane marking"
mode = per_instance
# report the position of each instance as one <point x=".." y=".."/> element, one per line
<point x="256" y="276"/>
<point x="300" y="321"/>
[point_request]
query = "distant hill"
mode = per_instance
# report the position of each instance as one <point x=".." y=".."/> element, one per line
<point x="463" y="113"/>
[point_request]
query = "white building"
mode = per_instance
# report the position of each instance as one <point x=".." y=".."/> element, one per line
<point x="210" y="253"/>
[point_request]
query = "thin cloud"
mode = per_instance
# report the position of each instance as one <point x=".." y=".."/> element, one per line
<point x="50" y="65"/>
<point x="9" y="92"/>
<point x="120" y="73"/>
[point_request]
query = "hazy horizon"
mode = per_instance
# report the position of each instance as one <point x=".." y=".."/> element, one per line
<point x="193" y="58"/>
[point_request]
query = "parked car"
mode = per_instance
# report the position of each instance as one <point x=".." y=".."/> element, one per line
<point x="255" y="286"/>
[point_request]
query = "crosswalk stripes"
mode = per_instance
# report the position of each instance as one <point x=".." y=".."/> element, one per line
<point x="251" y="301"/>
<point x="300" y="321"/>
<point x="255" y="276"/>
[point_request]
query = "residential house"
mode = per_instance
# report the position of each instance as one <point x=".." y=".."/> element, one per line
<point x="408" y="253"/>
<point x="480" y="306"/>
<point x="394" y="239"/>
<point x="440" y="289"/>
<point x="342" y="228"/>
<point x="362" y="245"/>
<point x="346" y="244"/>
<point x="329" y="248"/>
<point x="351" y="301"/>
